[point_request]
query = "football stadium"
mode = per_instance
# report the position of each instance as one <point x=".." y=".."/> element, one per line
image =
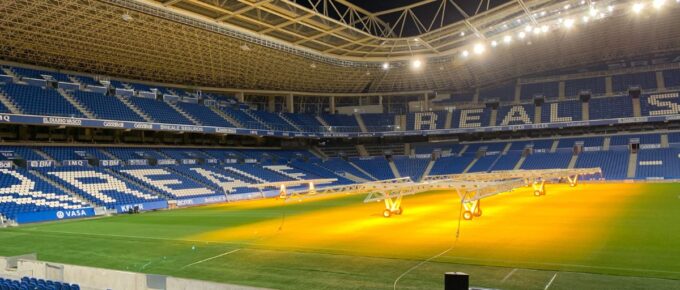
<point x="339" y="144"/>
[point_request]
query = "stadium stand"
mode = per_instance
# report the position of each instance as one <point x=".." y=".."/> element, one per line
<point x="341" y="123"/>
<point x="574" y="87"/>
<point x="106" y="107"/>
<point x="411" y="167"/>
<point x="549" y="90"/>
<point x="646" y="81"/>
<point x="610" y="107"/>
<point x="160" y="111"/>
<point x="34" y="100"/>
<point x="451" y="165"/>
<point x="204" y="115"/>
<point x="33" y="283"/>
<point x="547" y="160"/>
<point x="377" y="167"/>
<point x="505" y="93"/>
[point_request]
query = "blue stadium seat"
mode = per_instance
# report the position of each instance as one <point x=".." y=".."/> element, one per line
<point x="160" y="111"/>
<point x="596" y="86"/>
<point x="378" y="167"/>
<point x="40" y="101"/>
<point x="106" y="107"/>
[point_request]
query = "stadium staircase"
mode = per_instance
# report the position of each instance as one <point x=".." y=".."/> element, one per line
<point x="246" y="174"/>
<point x="11" y="73"/>
<point x="61" y="187"/>
<point x="353" y="177"/>
<point x="400" y="122"/>
<point x="362" y="150"/>
<point x="362" y="170"/>
<point x="129" y="180"/>
<point x="554" y="146"/>
<point x="360" y="121"/>
<point x="185" y="114"/>
<point x="637" y="112"/>
<point x="291" y="123"/>
<point x="108" y="154"/>
<point x="256" y="118"/>
<point x="537" y="114"/>
<point x="428" y="169"/>
<point x="75" y="80"/>
<point x="43" y="154"/>
<point x="449" y="119"/>
<point x="177" y="171"/>
<point x="585" y="111"/>
<point x="321" y="121"/>
<point x="520" y="162"/>
<point x="469" y="166"/>
<point x="664" y="140"/>
<point x="605" y="144"/>
<point x="9" y="104"/>
<point x="394" y="169"/>
<point x="572" y="161"/>
<point x="227" y="117"/>
<point x="134" y="108"/>
<point x="494" y="116"/>
<point x="632" y="165"/>
<point x="462" y="150"/>
<point x="75" y="103"/>
<point x="318" y="153"/>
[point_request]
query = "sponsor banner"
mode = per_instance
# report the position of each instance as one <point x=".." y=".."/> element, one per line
<point x="138" y="162"/>
<point x="249" y="160"/>
<point x="39" y="163"/>
<point x="212" y="161"/>
<point x="68" y="86"/>
<point x="189" y="161"/>
<point x="6" y="164"/>
<point x="166" y="162"/>
<point x="34" y="217"/>
<point x="109" y="163"/>
<point x="231" y="161"/>
<point x="143" y="206"/>
<point x="201" y="200"/>
<point x="75" y="163"/>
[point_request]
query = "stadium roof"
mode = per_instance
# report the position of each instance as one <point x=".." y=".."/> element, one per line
<point x="302" y="45"/>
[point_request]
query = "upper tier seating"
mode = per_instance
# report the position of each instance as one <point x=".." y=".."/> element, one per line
<point x="379" y="122"/>
<point x="341" y="123"/>
<point x="425" y="120"/>
<point x="564" y="111"/>
<point x="244" y="119"/>
<point x="672" y="78"/>
<point x="99" y="186"/>
<point x="535" y="144"/>
<point x="507" y="161"/>
<point x="106" y="107"/>
<point x="488" y="147"/>
<point x="484" y="163"/>
<point x="646" y="80"/>
<point x="135" y="153"/>
<point x="644" y="139"/>
<point x="40" y="101"/>
<point x="596" y="86"/>
<point x="378" y="167"/>
<point x="88" y="81"/>
<point x="306" y="122"/>
<point x="22" y="191"/>
<point x="159" y="111"/>
<point x="504" y="93"/>
<point x="38" y="74"/>
<point x="587" y="142"/>
<point x="19" y="152"/>
<point x="611" y="107"/>
<point x="274" y="121"/>
<point x="204" y="115"/>
<point x="549" y="90"/>
<point x="515" y="115"/>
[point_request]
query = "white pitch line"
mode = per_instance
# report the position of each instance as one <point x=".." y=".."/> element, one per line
<point x="508" y="275"/>
<point x="550" y="282"/>
<point x="211" y="258"/>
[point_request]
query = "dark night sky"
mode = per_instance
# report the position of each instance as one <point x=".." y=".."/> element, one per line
<point x="425" y="12"/>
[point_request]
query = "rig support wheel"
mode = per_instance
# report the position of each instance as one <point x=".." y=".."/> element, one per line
<point x="387" y="213"/>
<point x="399" y="211"/>
<point x="467" y="215"/>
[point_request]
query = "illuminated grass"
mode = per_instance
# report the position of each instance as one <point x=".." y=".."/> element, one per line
<point x="593" y="236"/>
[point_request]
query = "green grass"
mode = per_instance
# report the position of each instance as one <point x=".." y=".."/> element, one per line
<point x="640" y="249"/>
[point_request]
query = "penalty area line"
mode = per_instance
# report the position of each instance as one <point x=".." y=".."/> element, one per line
<point x="211" y="258"/>
<point x="550" y="282"/>
<point x="508" y="275"/>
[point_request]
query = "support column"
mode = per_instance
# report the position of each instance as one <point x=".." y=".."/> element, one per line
<point x="475" y="97"/>
<point x="289" y="104"/>
<point x="241" y="97"/>
<point x="660" y="84"/>
<point x="271" y="103"/>
<point x="561" y="91"/>
<point x="608" y="86"/>
<point x="331" y="101"/>
<point x="518" y="91"/>
<point x="426" y="102"/>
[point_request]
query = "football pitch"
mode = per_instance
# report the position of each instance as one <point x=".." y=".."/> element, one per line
<point x="594" y="236"/>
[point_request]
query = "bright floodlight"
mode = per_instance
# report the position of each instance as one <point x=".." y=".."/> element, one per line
<point x="465" y="53"/>
<point x="479" y="48"/>
<point x="522" y="35"/>
<point x="569" y="23"/>
<point x="544" y="28"/>
<point x="585" y="19"/>
<point x="592" y="11"/>
<point x="507" y="39"/>
<point x="610" y="8"/>
<point x="567" y="6"/>
<point x="386" y="65"/>
<point x="528" y="28"/>
<point x="494" y="43"/>
<point x="416" y="63"/>
<point x="537" y="30"/>
<point x="658" y="3"/>
<point x="637" y="7"/>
